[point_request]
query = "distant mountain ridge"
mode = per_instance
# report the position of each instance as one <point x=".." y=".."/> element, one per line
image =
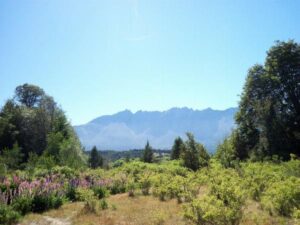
<point x="126" y="130"/>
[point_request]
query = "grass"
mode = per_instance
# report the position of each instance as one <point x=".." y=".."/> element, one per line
<point x="146" y="210"/>
<point x="122" y="210"/>
<point x="134" y="211"/>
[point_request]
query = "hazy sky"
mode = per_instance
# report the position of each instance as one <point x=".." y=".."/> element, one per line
<point x="100" y="57"/>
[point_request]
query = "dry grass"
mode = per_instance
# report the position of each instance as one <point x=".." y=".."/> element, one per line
<point x="254" y="215"/>
<point x="139" y="210"/>
<point x="123" y="210"/>
<point x="63" y="214"/>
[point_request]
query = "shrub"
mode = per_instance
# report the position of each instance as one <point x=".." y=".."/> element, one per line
<point x="90" y="206"/>
<point x="83" y="194"/>
<point x="8" y="215"/>
<point x="101" y="192"/>
<point x="71" y="193"/>
<point x="211" y="210"/>
<point x="283" y="197"/>
<point x="22" y="205"/>
<point x="118" y="187"/>
<point x="131" y="187"/>
<point x="226" y="153"/>
<point x="145" y="185"/>
<point x="103" y="204"/>
<point x="41" y="203"/>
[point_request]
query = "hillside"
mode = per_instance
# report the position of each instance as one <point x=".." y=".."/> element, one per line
<point x="127" y="130"/>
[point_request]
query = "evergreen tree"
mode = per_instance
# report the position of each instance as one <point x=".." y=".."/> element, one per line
<point x="194" y="154"/>
<point x="96" y="159"/>
<point x="177" y="148"/>
<point x="148" y="153"/>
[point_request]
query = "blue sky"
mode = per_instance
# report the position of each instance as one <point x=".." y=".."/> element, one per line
<point x="100" y="57"/>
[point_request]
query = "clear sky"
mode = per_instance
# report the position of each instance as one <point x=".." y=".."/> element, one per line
<point x="98" y="57"/>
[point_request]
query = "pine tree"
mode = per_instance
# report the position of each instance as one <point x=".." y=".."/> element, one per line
<point x="177" y="148"/>
<point x="96" y="159"/>
<point x="148" y="153"/>
<point x="194" y="154"/>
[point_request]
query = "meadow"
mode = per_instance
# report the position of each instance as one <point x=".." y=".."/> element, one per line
<point x="159" y="193"/>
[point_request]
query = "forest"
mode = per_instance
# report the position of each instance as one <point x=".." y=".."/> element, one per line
<point x="252" y="178"/>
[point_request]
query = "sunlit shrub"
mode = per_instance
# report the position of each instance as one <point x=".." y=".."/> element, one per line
<point x="83" y="194"/>
<point x="211" y="210"/>
<point x="283" y="197"/>
<point x="101" y="192"/>
<point x="119" y="184"/>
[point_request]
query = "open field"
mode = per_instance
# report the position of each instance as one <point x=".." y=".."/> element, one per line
<point x="147" y="210"/>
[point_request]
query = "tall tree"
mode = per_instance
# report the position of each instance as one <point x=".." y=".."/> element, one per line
<point x="177" y="148"/>
<point x="269" y="111"/>
<point x="29" y="95"/>
<point x="194" y="154"/>
<point x="34" y="121"/>
<point x="148" y="153"/>
<point x="96" y="159"/>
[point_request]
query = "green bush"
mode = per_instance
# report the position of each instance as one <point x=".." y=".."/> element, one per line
<point x="145" y="184"/>
<point x="83" y="194"/>
<point x="103" y="204"/>
<point x="283" y="197"/>
<point x="71" y="193"/>
<point x="118" y="187"/>
<point x="22" y="205"/>
<point x="211" y="210"/>
<point x="42" y="203"/>
<point x="8" y="215"/>
<point x="101" y="192"/>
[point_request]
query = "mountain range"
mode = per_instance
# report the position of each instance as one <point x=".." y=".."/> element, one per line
<point x="126" y="130"/>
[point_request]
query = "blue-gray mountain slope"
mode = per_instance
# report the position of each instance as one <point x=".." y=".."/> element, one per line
<point x="126" y="130"/>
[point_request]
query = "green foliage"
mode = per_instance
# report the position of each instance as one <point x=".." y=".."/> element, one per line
<point x="34" y="121"/>
<point x="145" y="182"/>
<point x="194" y="154"/>
<point x="23" y="205"/>
<point x="42" y="203"/>
<point x="12" y="158"/>
<point x="222" y="204"/>
<point x="71" y="154"/>
<point x="8" y="215"/>
<point x="29" y="95"/>
<point x="148" y="153"/>
<point x="101" y="192"/>
<point x="268" y="118"/>
<point x="226" y="152"/>
<point x="283" y="197"/>
<point x="54" y="141"/>
<point x="95" y="159"/>
<point x="103" y="204"/>
<point x="83" y="194"/>
<point x="177" y="148"/>
<point x="211" y="210"/>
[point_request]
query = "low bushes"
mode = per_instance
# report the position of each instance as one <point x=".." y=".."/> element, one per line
<point x="211" y="195"/>
<point x="283" y="198"/>
<point x="8" y="215"/>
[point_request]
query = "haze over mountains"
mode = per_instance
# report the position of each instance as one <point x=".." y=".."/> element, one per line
<point x="126" y="130"/>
